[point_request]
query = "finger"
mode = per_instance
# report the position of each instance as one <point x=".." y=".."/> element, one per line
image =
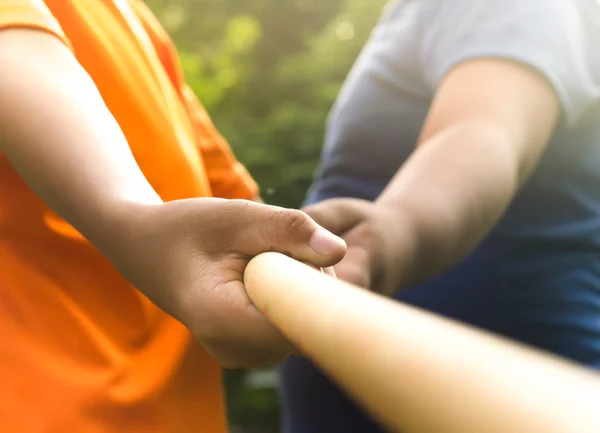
<point x="337" y="215"/>
<point x="329" y="271"/>
<point x="267" y="228"/>
<point x="355" y="268"/>
<point x="247" y="339"/>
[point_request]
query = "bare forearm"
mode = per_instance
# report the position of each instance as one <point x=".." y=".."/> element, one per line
<point x="449" y="195"/>
<point x="58" y="134"/>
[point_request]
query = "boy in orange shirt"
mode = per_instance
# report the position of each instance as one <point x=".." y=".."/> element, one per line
<point x="105" y="152"/>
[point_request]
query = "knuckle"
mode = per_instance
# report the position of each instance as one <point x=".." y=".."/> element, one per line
<point x="293" y="221"/>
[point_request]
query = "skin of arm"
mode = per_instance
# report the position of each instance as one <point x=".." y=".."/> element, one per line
<point x="188" y="256"/>
<point x="59" y="135"/>
<point x="487" y="128"/>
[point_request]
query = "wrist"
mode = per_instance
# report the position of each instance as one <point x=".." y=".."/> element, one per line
<point x="112" y="227"/>
<point x="401" y="251"/>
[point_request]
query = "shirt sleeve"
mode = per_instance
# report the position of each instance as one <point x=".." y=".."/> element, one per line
<point x="228" y="178"/>
<point x="29" y="14"/>
<point x="553" y="37"/>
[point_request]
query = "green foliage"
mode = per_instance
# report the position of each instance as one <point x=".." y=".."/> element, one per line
<point x="268" y="72"/>
<point x="214" y="76"/>
<point x="250" y="409"/>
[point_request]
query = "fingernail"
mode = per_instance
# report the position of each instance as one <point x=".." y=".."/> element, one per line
<point x="325" y="243"/>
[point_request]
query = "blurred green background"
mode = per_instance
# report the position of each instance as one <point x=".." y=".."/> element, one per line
<point x="268" y="72"/>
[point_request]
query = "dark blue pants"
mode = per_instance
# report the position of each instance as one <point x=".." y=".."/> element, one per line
<point x="312" y="404"/>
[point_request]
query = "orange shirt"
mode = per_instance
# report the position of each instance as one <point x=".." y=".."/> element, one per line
<point x="80" y="349"/>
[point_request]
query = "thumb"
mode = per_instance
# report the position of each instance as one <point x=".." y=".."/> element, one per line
<point x="338" y="215"/>
<point x="288" y="231"/>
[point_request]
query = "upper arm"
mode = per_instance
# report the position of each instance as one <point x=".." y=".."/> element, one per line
<point x="520" y="67"/>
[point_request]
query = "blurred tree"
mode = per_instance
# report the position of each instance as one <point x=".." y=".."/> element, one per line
<point x="268" y="72"/>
